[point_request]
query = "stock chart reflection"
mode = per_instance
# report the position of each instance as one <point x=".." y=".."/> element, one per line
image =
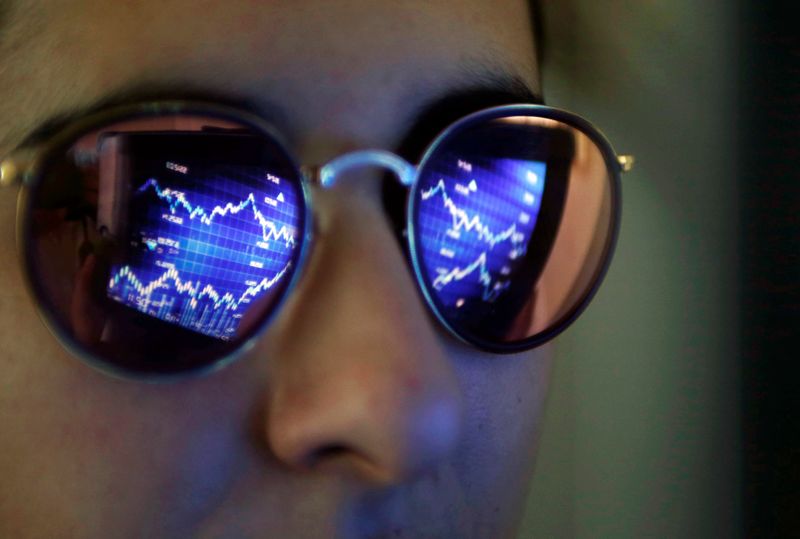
<point x="475" y="220"/>
<point x="205" y="239"/>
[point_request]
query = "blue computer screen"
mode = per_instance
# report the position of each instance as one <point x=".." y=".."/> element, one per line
<point x="476" y="216"/>
<point x="205" y="240"/>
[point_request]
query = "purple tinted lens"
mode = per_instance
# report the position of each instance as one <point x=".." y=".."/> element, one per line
<point x="161" y="244"/>
<point x="512" y="221"/>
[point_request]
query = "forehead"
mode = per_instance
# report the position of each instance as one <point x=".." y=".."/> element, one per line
<point x="312" y="63"/>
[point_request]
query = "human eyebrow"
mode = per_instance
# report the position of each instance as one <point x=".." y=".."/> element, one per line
<point x="140" y="93"/>
<point x="474" y="91"/>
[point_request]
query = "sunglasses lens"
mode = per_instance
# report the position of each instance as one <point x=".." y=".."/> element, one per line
<point x="161" y="244"/>
<point x="513" y="221"/>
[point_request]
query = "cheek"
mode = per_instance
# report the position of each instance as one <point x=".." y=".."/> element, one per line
<point x="81" y="451"/>
<point x="199" y="474"/>
<point x="505" y="399"/>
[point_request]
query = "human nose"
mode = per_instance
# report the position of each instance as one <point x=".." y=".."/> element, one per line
<point x="359" y="381"/>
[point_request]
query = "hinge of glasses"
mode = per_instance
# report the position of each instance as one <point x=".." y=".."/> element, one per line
<point x="14" y="167"/>
<point x="626" y="162"/>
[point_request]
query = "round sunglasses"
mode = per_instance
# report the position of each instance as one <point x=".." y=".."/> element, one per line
<point x="159" y="239"/>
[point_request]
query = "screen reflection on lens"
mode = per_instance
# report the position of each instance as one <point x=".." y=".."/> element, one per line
<point x="205" y="232"/>
<point x="161" y="243"/>
<point x="511" y="226"/>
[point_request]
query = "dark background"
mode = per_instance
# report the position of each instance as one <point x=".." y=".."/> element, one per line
<point x="675" y="404"/>
<point x="770" y="179"/>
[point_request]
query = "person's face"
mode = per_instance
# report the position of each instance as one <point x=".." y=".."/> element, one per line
<point x="356" y="415"/>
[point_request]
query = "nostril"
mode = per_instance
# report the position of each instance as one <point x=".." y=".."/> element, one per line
<point x="327" y="452"/>
<point x="344" y="459"/>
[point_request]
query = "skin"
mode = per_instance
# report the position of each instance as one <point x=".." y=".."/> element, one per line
<point x="356" y="415"/>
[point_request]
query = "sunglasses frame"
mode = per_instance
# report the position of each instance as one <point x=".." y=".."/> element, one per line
<point x="26" y="167"/>
<point x="615" y="165"/>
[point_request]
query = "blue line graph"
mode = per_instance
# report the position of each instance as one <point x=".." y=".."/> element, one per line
<point x="490" y="291"/>
<point x="204" y="245"/>
<point x="214" y="317"/>
<point x="475" y="220"/>
<point x="462" y="219"/>
<point x="177" y="199"/>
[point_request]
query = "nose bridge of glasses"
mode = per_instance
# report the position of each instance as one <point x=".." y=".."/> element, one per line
<point x="402" y="169"/>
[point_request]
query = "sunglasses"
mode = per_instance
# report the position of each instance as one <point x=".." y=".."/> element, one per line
<point x="161" y="238"/>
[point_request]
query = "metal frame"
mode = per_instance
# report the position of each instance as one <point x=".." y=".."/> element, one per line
<point x="28" y="177"/>
<point x="24" y="167"/>
<point x="615" y="164"/>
